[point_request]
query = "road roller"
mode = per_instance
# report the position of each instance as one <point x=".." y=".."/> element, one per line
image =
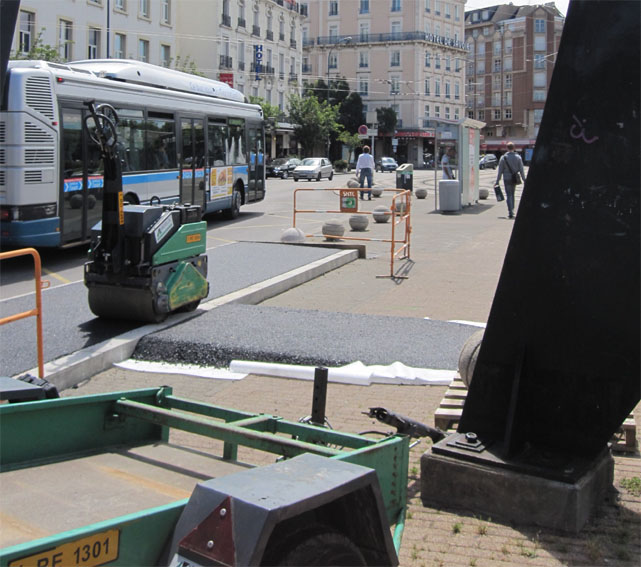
<point x="145" y="261"/>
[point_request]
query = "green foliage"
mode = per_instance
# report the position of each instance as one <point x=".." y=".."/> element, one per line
<point x="632" y="485"/>
<point x="340" y="165"/>
<point x="271" y="113"/>
<point x="187" y="65"/>
<point x="387" y="119"/>
<point x="40" y="51"/>
<point x="352" y="141"/>
<point x="351" y="112"/>
<point x="313" y="121"/>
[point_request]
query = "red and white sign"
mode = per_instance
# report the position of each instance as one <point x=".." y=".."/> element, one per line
<point x="226" y="78"/>
<point x="362" y="130"/>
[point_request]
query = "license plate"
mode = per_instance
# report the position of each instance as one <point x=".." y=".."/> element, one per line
<point x="89" y="551"/>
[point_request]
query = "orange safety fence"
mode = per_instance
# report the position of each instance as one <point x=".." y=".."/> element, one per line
<point x="37" y="312"/>
<point x="399" y="212"/>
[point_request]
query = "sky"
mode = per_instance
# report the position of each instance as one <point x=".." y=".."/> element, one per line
<point x="562" y="5"/>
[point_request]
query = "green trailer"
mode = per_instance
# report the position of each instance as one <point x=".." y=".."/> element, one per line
<point x="105" y="480"/>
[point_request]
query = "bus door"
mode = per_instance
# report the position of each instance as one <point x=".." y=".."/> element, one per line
<point x="82" y="174"/>
<point x="193" y="180"/>
<point x="256" y="177"/>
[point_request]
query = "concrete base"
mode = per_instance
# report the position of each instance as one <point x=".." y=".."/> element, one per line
<point x="515" y="496"/>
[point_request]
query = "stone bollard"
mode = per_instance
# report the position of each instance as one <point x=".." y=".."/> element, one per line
<point x="358" y="222"/>
<point x="292" y="234"/>
<point x="484" y="193"/>
<point x="353" y="183"/>
<point x="376" y="191"/>
<point x="333" y="229"/>
<point x="381" y="214"/>
<point x="420" y="193"/>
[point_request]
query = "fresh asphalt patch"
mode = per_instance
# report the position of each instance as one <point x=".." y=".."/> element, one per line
<point x="305" y="337"/>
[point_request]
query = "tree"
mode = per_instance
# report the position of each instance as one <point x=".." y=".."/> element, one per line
<point x="40" y="51"/>
<point x="352" y="141"/>
<point x="187" y="65"/>
<point x="386" y="118"/>
<point x="271" y="115"/>
<point x="313" y="121"/>
<point x="351" y="112"/>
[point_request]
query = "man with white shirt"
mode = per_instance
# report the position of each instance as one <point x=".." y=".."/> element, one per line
<point x="365" y="170"/>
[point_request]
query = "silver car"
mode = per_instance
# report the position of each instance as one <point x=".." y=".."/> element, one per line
<point x="313" y="168"/>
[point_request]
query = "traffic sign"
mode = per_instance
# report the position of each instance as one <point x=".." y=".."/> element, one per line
<point x="362" y="130"/>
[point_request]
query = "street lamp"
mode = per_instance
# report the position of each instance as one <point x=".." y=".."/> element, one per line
<point x="346" y="39"/>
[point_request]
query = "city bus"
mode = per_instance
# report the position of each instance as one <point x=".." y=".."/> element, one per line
<point x="181" y="138"/>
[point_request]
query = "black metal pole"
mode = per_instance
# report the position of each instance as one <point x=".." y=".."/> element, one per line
<point x="320" y="396"/>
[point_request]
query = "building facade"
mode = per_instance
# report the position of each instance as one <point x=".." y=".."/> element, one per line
<point x="405" y="54"/>
<point x="512" y="54"/>
<point x="98" y="29"/>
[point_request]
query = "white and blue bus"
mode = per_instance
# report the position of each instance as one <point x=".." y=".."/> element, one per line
<point x="181" y="138"/>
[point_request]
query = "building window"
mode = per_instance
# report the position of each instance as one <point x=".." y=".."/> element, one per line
<point x="486" y="31"/>
<point x="395" y="59"/>
<point x="496" y="99"/>
<point x="508" y="114"/>
<point x="144" y="8"/>
<point x="93" y="43"/>
<point x="27" y="26"/>
<point x="508" y="81"/>
<point x="539" y="26"/>
<point x="540" y="79"/>
<point x="470" y="114"/>
<point x="437" y="111"/>
<point x="457" y="91"/>
<point x="538" y="115"/>
<point x="427" y="111"/>
<point x="268" y="95"/>
<point x="165" y="55"/>
<point x="496" y="82"/>
<point x="427" y="87"/>
<point x="539" y="43"/>
<point x="497" y="66"/>
<point x="333" y="34"/>
<point x="447" y="89"/>
<point x="437" y="87"/>
<point x="364" y="32"/>
<point x="363" y="87"/>
<point x="65" y="40"/>
<point x="165" y="12"/>
<point x="428" y="59"/>
<point x="428" y="5"/>
<point x="396" y="5"/>
<point x="364" y="7"/>
<point x="507" y="98"/>
<point x="120" y="46"/>
<point x="538" y="95"/>
<point x="497" y="47"/>
<point x="241" y="55"/>
<point x="497" y="114"/>
<point x="539" y="61"/>
<point x="507" y="64"/>
<point x="448" y="63"/>
<point x="437" y="7"/>
<point x="437" y="61"/>
<point x="395" y="86"/>
<point x="448" y="14"/>
<point x="121" y="5"/>
<point x="481" y="115"/>
<point x="333" y="7"/>
<point x="363" y="59"/>
<point x="396" y="30"/>
<point x="457" y="13"/>
<point x="143" y="50"/>
<point x="332" y="61"/>
<point x="507" y="46"/>
<point x="456" y="113"/>
<point x="447" y="113"/>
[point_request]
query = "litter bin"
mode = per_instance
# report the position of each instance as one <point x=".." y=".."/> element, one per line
<point x="449" y="195"/>
<point x="405" y="176"/>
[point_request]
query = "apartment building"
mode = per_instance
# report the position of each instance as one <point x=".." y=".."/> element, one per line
<point x="512" y="54"/>
<point x="405" y="54"/>
<point x="97" y="29"/>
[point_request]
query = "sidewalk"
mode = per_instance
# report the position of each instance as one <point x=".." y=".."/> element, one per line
<point x="453" y="272"/>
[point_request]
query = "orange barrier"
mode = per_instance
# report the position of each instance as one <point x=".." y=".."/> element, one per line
<point x="402" y="196"/>
<point x="37" y="312"/>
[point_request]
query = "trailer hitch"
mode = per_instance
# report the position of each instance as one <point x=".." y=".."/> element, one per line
<point x="406" y="425"/>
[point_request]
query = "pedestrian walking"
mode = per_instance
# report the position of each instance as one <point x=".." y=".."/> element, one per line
<point x="511" y="168"/>
<point x="448" y="172"/>
<point x="365" y="171"/>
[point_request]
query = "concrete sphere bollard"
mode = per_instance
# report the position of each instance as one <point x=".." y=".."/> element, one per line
<point x="376" y="191"/>
<point x="484" y="193"/>
<point x="381" y="214"/>
<point x="420" y="193"/>
<point x="333" y="229"/>
<point x="353" y="183"/>
<point x="358" y="222"/>
<point x="292" y="234"/>
<point x="469" y="355"/>
<point x="401" y="206"/>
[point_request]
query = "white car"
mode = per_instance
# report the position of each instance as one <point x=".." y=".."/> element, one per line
<point x="313" y="168"/>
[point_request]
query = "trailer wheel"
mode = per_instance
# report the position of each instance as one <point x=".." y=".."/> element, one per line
<point x="328" y="549"/>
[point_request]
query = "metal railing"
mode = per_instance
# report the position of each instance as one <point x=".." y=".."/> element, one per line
<point x="399" y="212"/>
<point x="37" y="312"/>
<point x="389" y="37"/>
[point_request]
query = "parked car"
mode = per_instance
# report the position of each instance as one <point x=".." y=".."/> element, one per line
<point x="281" y="167"/>
<point x="313" y="168"/>
<point x="386" y="164"/>
<point x="488" y="160"/>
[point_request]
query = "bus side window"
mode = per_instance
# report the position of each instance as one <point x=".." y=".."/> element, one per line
<point x="216" y="145"/>
<point x="161" y="141"/>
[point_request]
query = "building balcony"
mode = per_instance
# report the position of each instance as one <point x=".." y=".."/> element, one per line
<point x="225" y="20"/>
<point x="242" y="23"/>
<point x="390" y="37"/>
<point x="281" y="37"/>
<point x="225" y="62"/>
<point x="307" y="68"/>
<point x="293" y="78"/>
<point x="241" y="65"/>
<point x="256" y="31"/>
<point x="292" y="43"/>
<point x="269" y="35"/>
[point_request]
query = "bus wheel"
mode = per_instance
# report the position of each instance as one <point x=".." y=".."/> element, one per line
<point x="234" y="210"/>
<point x="132" y="199"/>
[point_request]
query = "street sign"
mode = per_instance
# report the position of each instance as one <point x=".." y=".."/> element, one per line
<point x="362" y="130"/>
<point x="349" y="200"/>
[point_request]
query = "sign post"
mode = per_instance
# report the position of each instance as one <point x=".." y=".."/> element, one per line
<point x="349" y="200"/>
